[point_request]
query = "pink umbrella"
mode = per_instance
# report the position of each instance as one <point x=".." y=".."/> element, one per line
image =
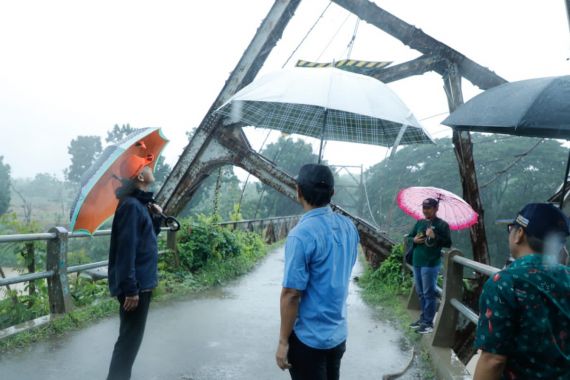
<point x="453" y="209"/>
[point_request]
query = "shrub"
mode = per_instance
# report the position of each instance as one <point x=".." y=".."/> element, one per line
<point x="390" y="275"/>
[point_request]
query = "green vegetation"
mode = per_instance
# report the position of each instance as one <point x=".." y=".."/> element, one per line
<point x="84" y="150"/>
<point x="511" y="171"/>
<point x="388" y="285"/>
<point x="4" y="186"/>
<point x="289" y="154"/>
<point x="209" y="255"/>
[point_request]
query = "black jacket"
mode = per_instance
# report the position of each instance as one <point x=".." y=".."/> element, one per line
<point x="133" y="254"/>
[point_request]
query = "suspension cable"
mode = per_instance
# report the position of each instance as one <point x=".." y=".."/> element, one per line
<point x="353" y="38"/>
<point x="307" y="34"/>
<point x="334" y="36"/>
<point x="283" y="66"/>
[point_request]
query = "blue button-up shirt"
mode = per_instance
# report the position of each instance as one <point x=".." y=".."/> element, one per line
<point x="320" y="253"/>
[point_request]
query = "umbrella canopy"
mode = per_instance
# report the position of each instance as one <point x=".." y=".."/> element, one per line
<point x="535" y="107"/>
<point x="453" y="209"/>
<point x="326" y="103"/>
<point x="97" y="201"/>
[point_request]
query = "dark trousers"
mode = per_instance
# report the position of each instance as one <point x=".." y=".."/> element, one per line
<point x="130" y="337"/>
<point x="309" y="363"/>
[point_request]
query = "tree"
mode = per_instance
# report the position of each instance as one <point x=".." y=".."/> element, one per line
<point x="4" y="186"/>
<point x="512" y="171"/>
<point x="289" y="155"/>
<point x="161" y="171"/>
<point x="83" y="150"/>
<point x="204" y="198"/>
<point x="118" y="133"/>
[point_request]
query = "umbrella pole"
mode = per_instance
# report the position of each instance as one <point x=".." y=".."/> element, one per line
<point x="323" y="137"/>
<point x="563" y="193"/>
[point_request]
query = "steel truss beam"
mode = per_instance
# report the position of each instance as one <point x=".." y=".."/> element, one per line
<point x="213" y="145"/>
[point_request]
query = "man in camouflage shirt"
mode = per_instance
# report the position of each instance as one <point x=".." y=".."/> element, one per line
<point x="524" y="322"/>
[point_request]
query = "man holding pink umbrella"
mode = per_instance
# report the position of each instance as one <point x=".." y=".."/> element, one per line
<point x="428" y="237"/>
<point x="436" y="211"/>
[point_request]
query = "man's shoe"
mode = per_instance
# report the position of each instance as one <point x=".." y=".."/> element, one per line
<point x="425" y="329"/>
<point x="416" y="325"/>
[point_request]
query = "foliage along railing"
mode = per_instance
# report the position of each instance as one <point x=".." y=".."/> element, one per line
<point x="57" y="270"/>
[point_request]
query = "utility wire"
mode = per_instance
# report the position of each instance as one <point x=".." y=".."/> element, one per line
<point x="351" y="42"/>
<point x="368" y="201"/>
<point x="334" y="36"/>
<point x="307" y="34"/>
<point x="283" y="66"/>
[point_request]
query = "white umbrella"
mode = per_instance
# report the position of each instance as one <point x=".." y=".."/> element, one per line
<point x="326" y="103"/>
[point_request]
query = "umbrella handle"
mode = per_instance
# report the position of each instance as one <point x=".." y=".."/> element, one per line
<point x="171" y="222"/>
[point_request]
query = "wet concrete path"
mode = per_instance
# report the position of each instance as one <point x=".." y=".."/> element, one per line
<point x="225" y="333"/>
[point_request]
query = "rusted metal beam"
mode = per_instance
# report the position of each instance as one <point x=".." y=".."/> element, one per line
<point x="416" y="66"/>
<point x="416" y="39"/>
<point x="229" y="146"/>
<point x="463" y="148"/>
<point x="267" y="35"/>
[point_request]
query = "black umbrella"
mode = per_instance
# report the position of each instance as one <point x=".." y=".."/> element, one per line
<point x="534" y="108"/>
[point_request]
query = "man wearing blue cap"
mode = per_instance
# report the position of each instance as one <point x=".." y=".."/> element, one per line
<point x="319" y="255"/>
<point x="524" y="322"/>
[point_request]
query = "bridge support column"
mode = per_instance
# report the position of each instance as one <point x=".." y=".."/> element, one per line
<point x="58" y="287"/>
<point x="446" y="321"/>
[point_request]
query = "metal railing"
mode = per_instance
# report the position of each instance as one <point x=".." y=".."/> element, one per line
<point x="56" y="264"/>
<point x="451" y="306"/>
<point x="57" y="270"/>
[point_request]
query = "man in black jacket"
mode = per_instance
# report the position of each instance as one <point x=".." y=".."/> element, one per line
<point x="133" y="258"/>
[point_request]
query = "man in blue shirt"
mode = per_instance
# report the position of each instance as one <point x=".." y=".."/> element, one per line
<point x="320" y="253"/>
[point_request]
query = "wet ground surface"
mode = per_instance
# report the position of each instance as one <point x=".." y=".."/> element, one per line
<point x="224" y="333"/>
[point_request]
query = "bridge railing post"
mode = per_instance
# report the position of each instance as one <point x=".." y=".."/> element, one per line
<point x="172" y="246"/>
<point x="446" y="321"/>
<point x="56" y="261"/>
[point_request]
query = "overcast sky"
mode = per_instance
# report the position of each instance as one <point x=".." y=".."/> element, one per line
<point x="70" y="68"/>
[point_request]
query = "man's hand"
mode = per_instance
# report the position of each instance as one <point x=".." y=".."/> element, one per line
<point x="490" y="366"/>
<point x="430" y="233"/>
<point x="419" y="239"/>
<point x="131" y="303"/>
<point x="155" y="208"/>
<point x="281" y="355"/>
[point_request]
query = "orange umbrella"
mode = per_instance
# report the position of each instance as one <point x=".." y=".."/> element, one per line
<point x="97" y="200"/>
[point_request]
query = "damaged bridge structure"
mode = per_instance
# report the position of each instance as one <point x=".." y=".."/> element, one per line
<point x="214" y="144"/>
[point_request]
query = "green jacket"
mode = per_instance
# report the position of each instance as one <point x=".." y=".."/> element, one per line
<point x="429" y="255"/>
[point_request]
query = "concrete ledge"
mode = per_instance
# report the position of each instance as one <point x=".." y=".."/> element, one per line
<point x="446" y="365"/>
<point x="25" y="326"/>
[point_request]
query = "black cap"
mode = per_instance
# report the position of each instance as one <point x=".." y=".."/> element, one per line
<point x="430" y="202"/>
<point x="542" y="219"/>
<point x="316" y="176"/>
